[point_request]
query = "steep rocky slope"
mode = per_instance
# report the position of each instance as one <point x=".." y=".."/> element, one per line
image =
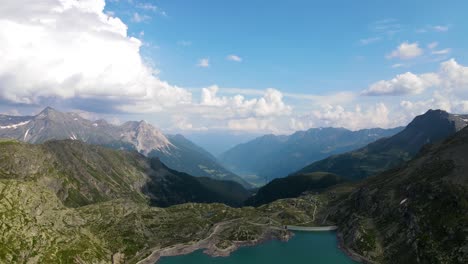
<point x="187" y="157"/>
<point x="82" y="174"/>
<point x="416" y="213"/>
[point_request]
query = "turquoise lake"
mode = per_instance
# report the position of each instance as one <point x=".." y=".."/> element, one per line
<point x="304" y="247"/>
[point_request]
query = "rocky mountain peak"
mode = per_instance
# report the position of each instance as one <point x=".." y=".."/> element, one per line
<point x="145" y="137"/>
<point x="50" y="113"/>
<point x="437" y="119"/>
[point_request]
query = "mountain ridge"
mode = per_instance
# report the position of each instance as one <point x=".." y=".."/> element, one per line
<point x="82" y="174"/>
<point x="415" y="213"/>
<point x="386" y="153"/>
<point x="140" y="136"/>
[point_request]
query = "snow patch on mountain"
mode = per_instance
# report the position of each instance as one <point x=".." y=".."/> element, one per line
<point x="14" y="126"/>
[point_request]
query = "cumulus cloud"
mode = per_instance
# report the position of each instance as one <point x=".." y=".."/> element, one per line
<point x="406" y="51"/>
<point x="449" y="91"/>
<point x="377" y="115"/>
<point x="451" y="77"/>
<point x="454" y="77"/>
<point x="73" y="52"/>
<point x="437" y="101"/>
<point x="407" y="83"/>
<point x="445" y="88"/>
<point x="71" y="49"/>
<point x="270" y="104"/>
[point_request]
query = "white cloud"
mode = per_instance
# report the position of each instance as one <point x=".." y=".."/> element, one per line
<point x="204" y="63"/>
<point x="331" y="98"/>
<point x="454" y="77"/>
<point x="441" y="52"/>
<point x="451" y="77"/>
<point x="432" y="46"/>
<point x="71" y="49"/>
<point x="233" y="57"/>
<point x="407" y="83"/>
<point x="437" y="101"/>
<point x="270" y="104"/>
<point x="377" y="115"/>
<point x="267" y="112"/>
<point x="406" y="51"/>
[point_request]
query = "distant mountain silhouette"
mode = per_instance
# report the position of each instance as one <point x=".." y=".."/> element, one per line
<point x="273" y="156"/>
<point x="386" y="153"/>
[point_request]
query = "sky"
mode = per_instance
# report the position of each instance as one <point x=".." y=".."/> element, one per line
<point x="235" y="66"/>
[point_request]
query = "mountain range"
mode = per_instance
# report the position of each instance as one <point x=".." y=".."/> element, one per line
<point x="173" y="150"/>
<point x="291" y="153"/>
<point x="387" y="153"/>
<point x="66" y="201"/>
<point x="379" y="156"/>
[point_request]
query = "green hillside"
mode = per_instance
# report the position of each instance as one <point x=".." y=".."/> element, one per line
<point x="293" y="186"/>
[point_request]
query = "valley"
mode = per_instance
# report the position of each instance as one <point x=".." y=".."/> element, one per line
<point x="66" y="201"/>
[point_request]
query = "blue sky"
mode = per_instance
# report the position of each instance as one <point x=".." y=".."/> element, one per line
<point x="235" y="66"/>
<point x="295" y="46"/>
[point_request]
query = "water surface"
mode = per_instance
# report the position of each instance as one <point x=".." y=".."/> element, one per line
<point x="303" y="248"/>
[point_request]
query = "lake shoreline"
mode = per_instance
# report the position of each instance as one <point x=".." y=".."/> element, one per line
<point x="208" y="245"/>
